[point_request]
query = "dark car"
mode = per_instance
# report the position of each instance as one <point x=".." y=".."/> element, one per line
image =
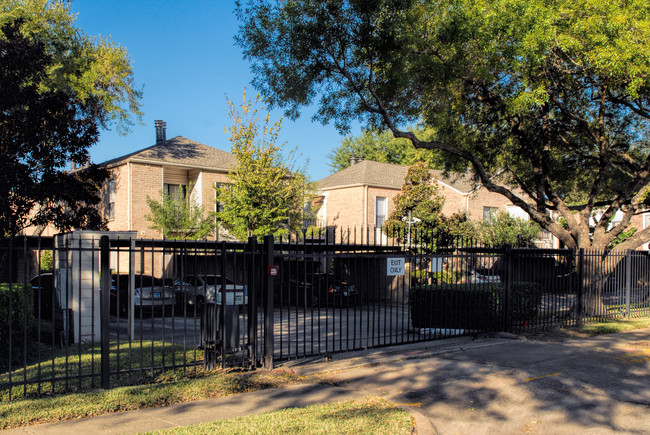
<point x="49" y="317"/>
<point x="319" y="290"/>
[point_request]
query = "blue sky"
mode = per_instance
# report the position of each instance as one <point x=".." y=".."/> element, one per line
<point x="184" y="55"/>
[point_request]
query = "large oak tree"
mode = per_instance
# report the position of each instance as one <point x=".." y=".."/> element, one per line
<point x="546" y="97"/>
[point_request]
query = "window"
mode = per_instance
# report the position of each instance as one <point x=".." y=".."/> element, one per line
<point x="175" y="189"/>
<point x="490" y="214"/>
<point x="218" y="204"/>
<point x="380" y="211"/>
<point x="110" y="200"/>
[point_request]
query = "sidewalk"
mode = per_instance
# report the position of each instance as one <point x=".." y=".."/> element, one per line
<point x="460" y="385"/>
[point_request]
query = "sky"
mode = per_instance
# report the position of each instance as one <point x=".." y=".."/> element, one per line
<point x="184" y="55"/>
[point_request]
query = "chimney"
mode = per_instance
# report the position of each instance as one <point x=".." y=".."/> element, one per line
<point x="353" y="159"/>
<point x="161" y="131"/>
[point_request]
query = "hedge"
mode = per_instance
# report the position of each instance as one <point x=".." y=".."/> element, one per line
<point x="471" y="306"/>
<point x="22" y="301"/>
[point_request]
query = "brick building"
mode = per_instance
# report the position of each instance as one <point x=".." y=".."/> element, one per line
<point x="361" y="196"/>
<point x="169" y="165"/>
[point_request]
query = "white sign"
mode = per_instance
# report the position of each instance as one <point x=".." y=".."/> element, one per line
<point x="395" y="266"/>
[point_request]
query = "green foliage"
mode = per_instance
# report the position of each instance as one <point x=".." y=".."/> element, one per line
<point x="18" y="320"/>
<point x="458" y="229"/>
<point x="472" y="306"/>
<point x="57" y="86"/>
<point x="179" y="216"/>
<point x="383" y="147"/>
<point x="426" y="277"/>
<point x="267" y="195"/>
<point x="95" y="70"/>
<point x="47" y="261"/>
<point x="623" y="236"/>
<point x="458" y="306"/>
<point x="418" y="199"/>
<point x="554" y="97"/>
<point x="526" y="300"/>
<point x="508" y="230"/>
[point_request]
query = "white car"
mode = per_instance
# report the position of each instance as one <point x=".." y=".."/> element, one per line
<point x="483" y="276"/>
<point x="196" y="290"/>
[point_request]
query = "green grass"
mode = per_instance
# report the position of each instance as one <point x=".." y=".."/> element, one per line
<point x="614" y="326"/>
<point x="82" y="364"/>
<point x="369" y="415"/>
<point x="166" y="390"/>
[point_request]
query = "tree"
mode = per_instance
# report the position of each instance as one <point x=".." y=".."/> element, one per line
<point x="554" y="96"/>
<point x="557" y="98"/>
<point x="179" y="216"/>
<point x="57" y="86"/>
<point x="509" y="230"/>
<point x="267" y="194"/>
<point x="381" y="147"/>
<point x="419" y="201"/>
<point x="39" y="131"/>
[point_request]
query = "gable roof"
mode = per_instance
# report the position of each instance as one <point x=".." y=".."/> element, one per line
<point x="391" y="176"/>
<point x="180" y="151"/>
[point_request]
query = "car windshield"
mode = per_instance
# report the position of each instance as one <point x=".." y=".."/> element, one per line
<point x="215" y="280"/>
<point x="140" y="281"/>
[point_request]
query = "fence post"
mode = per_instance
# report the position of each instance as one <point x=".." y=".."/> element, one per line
<point x="269" y="316"/>
<point x="628" y="282"/>
<point x="253" y="286"/>
<point x="507" y="291"/>
<point x="580" y="289"/>
<point x="104" y="308"/>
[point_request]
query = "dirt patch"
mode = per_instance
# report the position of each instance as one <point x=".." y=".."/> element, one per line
<point x="555" y="335"/>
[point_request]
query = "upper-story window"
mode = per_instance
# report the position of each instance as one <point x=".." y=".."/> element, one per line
<point x="110" y="200"/>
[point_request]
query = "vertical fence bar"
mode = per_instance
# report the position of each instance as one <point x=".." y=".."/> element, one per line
<point x="507" y="290"/>
<point x="268" y="304"/>
<point x="252" y="301"/>
<point x="104" y="306"/>
<point x="580" y="289"/>
<point x="628" y="282"/>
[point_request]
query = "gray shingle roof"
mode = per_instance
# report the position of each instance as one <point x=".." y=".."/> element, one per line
<point x="181" y="151"/>
<point x="389" y="175"/>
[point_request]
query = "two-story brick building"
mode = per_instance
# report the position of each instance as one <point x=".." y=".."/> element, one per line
<point x="169" y="165"/>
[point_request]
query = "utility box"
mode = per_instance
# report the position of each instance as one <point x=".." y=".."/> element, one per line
<point x="77" y="279"/>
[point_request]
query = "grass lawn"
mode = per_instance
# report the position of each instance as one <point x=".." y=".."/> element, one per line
<point x="167" y="390"/>
<point x="369" y="415"/>
<point x="590" y="329"/>
<point x="614" y="326"/>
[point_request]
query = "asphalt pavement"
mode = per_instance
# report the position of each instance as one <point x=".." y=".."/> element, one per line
<point x="455" y="386"/>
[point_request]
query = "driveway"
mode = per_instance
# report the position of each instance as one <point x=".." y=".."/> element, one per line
<point x="598" y="385"/>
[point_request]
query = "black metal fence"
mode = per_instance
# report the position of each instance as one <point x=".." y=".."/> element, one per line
<point x="80" y="311"/>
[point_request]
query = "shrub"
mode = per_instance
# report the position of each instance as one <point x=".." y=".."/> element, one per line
<point x="459" y="306"/>
<point x="472" y="306"/>
<point x="425" y="277"/>
<point x="22" y="310"/>
<point x="526" y="297"/>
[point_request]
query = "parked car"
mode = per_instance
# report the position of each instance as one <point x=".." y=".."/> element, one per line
<point x="148" y="292"/>
<point x="483" y="275"/>
<point x="196" y="290"/>
<point x="319" y="291"/>
<point x="49" y="317"/>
